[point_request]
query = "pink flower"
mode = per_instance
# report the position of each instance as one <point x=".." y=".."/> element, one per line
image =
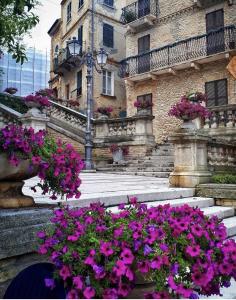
<point x="129" y="274"/>
<point x="72" y="294"/>
<point x="43" y="250"/>
<point x="89" y="292"/>
<point x="156" y="263"/>
<point x="193" y="251"/>
<point x="110" y="294"/>
<point x="120" y="268"/>
<point x="127" y="256"/>
<point x="106" y="248"/>
<point x="77" y="281"/>
<point x="89" y="261"/>
<point x="65" y="272"/>
<point x="143" y="266"/>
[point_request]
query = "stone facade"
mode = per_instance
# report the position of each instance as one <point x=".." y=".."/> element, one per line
<point x="177" y="21"/>
<point x="68" y="30"/>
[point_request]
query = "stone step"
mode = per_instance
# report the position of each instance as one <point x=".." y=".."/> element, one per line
<point x="219" y="211"/>
<point x="117" y="197"/>
<point x="148" y="174"/>
<point x="230" y="224"/>
<point x="149" y="169"/>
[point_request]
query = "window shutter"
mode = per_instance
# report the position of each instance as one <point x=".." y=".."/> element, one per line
<point x="79" y="83"/>
<point x="214" y="20"/>
<point x="210" y="92"/>
<point x="80" y="37"/>
<point x="81" y="3"/>
<point x="108" y="35"/>
<point x="144" y="44"/>
<point x="222" y="97"/>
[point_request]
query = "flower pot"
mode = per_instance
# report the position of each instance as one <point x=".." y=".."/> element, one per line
<point x="102" y="117"/>
<point x="142" y="286"/>
<point x="118" y="156"/>
<point x="32" y="104"/>
<point x="12" y="91"/>
<point x="11" y="183"/>
<point x="188" y="124"/>
<point x="143" y="112"/>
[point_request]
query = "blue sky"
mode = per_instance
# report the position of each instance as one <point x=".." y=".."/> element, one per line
<point x="48" y="12"/>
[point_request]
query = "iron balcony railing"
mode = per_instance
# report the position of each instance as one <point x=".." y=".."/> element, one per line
<point x="64" y="57"/>
<point x="190" y="49"/>
<point x="138" y="10"/>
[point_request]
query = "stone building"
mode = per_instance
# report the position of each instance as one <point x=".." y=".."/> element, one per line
<point x="68" y="78"/>
<point x="174" y="47"/>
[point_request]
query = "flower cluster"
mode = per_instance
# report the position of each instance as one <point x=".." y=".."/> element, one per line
<point x="45" y="93"/>
<point x="58" y="165"/>
<point x="20" y="143"/>
<point x="115" y="147"/>
<point x="143" y="104"/>
<point x="11" y="90"/>
<point x="189" y="108"/>
<point x="39" y="100"/>
<point x="101" y="254"/>
<point x="197" y="97"/>
<point x="105" y="110"/>
<point x="73" y="103"/>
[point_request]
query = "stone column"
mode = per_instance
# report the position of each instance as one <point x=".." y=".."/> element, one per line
<point x="190" y="159"/>
<point x="35" y="118"/>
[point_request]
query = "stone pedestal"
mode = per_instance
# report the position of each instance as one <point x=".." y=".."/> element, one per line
<point x="35" y="118"/>
<point x="190" y="159"/>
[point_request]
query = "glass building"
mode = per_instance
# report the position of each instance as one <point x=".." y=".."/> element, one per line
<point x="27" y="78"/>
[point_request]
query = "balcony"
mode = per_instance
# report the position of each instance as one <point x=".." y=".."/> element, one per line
<point x="209" y="3"/>
<point x="65" y="62"/>
<point x="140" y="14"/>
<point x="189" y="53"/>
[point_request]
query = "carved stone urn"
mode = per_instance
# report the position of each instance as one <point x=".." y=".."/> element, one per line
<point x="11" y="183"/>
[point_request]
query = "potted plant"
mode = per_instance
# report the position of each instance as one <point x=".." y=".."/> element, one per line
<point x="189" y="108"/>
<point x="118" y="153"/>
<point x="46" y="93"/>
<point x="137" y="252"/>
<point x="11" y="90"/>
<point x="104" y="112"/>
<point x="25" y="154"/>
<point x="36" y="101"/>
<point x="143" y="107"/>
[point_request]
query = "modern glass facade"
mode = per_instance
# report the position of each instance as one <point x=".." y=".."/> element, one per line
<point x="27" y="78"/>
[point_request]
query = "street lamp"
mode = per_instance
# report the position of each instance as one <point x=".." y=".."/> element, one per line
<point x="89" y="59"/>
<point x="74" y="47"/>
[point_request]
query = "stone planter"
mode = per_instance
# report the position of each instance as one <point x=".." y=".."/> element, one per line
<point x="142" y="286"/>
<point x="143" y="112"/>
<point x="118" y="156"/>
<point x="102" y="117"/>
<point x="32" y="104"/>
<point x="188" y="124"/>
<point x="11" y="183"/>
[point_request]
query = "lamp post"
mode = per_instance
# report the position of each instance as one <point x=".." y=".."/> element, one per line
<point x="89" y="59"/>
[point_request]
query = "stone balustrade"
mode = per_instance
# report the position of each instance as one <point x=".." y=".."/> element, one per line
<point x="221" y="156"/>
<point x="67" y="118"/>
<point x="134" y="130"/>
<point x="8" y="115"/>
<point x="222" y="122"/>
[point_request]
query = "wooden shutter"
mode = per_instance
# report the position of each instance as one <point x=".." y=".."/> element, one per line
<point x="210" y="92"/>
<point x="80" y="37"/>
<point x="108" y="35"/>
<point x="214" y="20"/>
<point x="79" y="83"/>
<point x="217" y="93"/>
<point x="222" y="93"/>
<point x="109" y="2"/>
<point x="144" y="44"/>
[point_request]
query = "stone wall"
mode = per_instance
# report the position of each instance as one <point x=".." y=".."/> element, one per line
<point x="167" y="90"/>
<point x="177" y="21"/>
<point x="18" y="241"/>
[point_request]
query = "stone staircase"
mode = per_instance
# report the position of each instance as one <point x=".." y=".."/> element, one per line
<point x="158" y="164"/>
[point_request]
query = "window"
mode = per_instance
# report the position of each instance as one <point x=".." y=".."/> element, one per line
<point x="108" y="35"/>
<point x="108" y="2"/>
<point x="81" y="3"/>
<point x="215" y="40"/>
<point x="68" y="13"/>
<point x="108" y="83"/>
<point x="216" y="92"/>
<point x="79" y="83"/>
<point x="80" y="37"/>
<point x="67" y="91"/>
<point x="145" y="99"/>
